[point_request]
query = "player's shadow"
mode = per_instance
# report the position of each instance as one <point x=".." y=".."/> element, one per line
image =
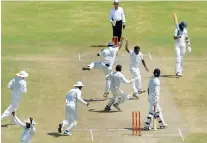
<point x="6" y="125"/>
<point x="55" y="134"/>
<point x="94" y="100"/>
<point x="103" y="111"/>
<point x="169" y="76"/>
<point x="142" y="129"/>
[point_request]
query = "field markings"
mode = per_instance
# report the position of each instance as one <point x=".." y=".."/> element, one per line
<point x="150" y="56"/>
<point x="78" y="56"/>
<point x="181" y="135"/>
<point x="91" y="131"/>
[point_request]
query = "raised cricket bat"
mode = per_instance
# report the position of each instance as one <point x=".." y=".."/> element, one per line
<point x="154" y="119"/>
<point x="176" y="23"/>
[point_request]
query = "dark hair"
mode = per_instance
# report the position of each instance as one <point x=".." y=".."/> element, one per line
<point x="136" y="47"/>
<point x="118" y="68"/>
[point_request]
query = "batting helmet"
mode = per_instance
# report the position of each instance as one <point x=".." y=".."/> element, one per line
<point x="157" y="72"/>
<point x="110" y="44"/>
<point x="182" y="25"/>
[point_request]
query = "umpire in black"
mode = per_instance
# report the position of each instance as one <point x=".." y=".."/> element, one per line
<point x="117" y="19"/>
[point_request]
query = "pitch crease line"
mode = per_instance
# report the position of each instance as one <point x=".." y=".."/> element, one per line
<point x="181" y="135"/>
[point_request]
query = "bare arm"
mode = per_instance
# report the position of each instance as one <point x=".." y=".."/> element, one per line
<point x="144" y="64"/>
<point x="126" y="46"/>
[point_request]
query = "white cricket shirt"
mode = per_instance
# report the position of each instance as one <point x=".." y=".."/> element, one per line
<point x="117" y="15"/>
<point x="154" y="88"/>
<point x="109" y="55"/>
<point x="135" y="60"/>
<point x="184" y="34"/>
<point x="73" y="96"/>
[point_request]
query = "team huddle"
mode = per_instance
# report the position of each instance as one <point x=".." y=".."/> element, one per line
<point x="113" y="81"/>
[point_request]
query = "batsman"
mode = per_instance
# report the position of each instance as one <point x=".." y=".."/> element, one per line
<point x="182" y="42"/>
<point x="153" y="99"/>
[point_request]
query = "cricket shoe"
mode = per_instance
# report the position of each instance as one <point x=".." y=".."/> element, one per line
<point x="116" y="106"/>
<point x="105" y="95"/>
<point x="85" y="68"/>
<point x="163" y="126"/>
<point x="178" y="75"/>
<point x="67" y="133"/>
<point x="107" y="108"/>
<point x="60" y="128"/>
<point x="146" y="128"/>
<point x="141" y="91"/>
<point x="135" y="95"/>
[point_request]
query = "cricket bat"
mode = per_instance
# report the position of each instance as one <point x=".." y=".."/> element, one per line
<point x="176" y="23"/>
<point x="154" y="119"/>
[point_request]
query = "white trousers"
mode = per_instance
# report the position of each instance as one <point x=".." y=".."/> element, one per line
<point x="107" y="70"/>
<point x="12" y="108"/>
<point x="154" y="110"/>
<point x="118" y="97"/>
<point x="137" y="83"/>
<point x="71" y="118"/>
<point x="180" y="53"/>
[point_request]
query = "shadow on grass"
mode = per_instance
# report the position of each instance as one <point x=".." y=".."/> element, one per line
<point x="94" y="100"/>
<point x="55" y="134"/>
<point x="102" y="111"/>
<point x="6" y="125"/>
<point x="98" y="45"/>
<point x="169" y="76"/>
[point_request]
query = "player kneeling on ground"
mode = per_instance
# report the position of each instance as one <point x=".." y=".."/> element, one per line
<point x="72" y="97"/>
<point x="29" y="129"/>
<point x="119" y="96"/>
<point x="153" y="99"/>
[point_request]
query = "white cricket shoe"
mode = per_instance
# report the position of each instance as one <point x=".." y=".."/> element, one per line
<point x="146" y="128"/>
<point x="163" y="126"/>
<point x="136" y="95"/>
<point x="67" y="133"/>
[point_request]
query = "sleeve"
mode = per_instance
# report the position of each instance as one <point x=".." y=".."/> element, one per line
<point x="24" y="87"/>
<point x="10" y="84"/>
<point x="19" y="122"/>
<point x="80" y="98"/>
<point x="33" y="130"/>
<point x="111" y="15"/>
<point x="124" y="80"/>
<point x="141" y="56"/>
<point x="157" y="90"/>
<point x="108" y="77"/>
<point x="123" y="16"/>
<point x="102" y="52"/>
<point x="176" y="32"/>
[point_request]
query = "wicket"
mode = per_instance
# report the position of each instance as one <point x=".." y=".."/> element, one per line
<point x="136" y="123"/>
<point x="115" y="41"/>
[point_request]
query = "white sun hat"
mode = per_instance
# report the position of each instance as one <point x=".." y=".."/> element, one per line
<point x="116" y="1"/>
<point x="22" y="74"/>
<point x="79" y="83"/>
<point x="28" y="121"/>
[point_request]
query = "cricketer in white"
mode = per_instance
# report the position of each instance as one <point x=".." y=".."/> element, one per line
<point x="72" y="97"/>
<point x="29" y="129"/>
<point x="118" y="95"/>
<point x="181" y="41"/>
<point x="136" y="58"/>
<point x="18" y="87"/>
<point x="153" y="99"/>
<point x="106" y="65"/>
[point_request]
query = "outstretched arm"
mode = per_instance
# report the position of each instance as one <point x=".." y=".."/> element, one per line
<point x="124" y="80"/>
<point x="144" y="64"/>
<point x="81" y="99"/>
<point x="17" y="120"/>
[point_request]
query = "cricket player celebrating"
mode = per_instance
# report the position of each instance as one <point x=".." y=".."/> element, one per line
<point x="72" y="97"/>
<point x="118" y="95"/>
<point x="18" y="87"/>
<point x="29" y="129"/>
<point x="181" y="41"/>
<point x="136" y="58"/>
<point x="106" y="65"/>
<point x="153" y="99"/>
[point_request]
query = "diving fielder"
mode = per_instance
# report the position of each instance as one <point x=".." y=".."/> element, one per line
<point x="118" y="95"/>
<point x="181" y="42"/>
<point x="18" y="87"/>
<point x="72" y="97"/>
<point x="29" y="129"/>
<point x="136" y="58"/>
<point x="106" y="65"/>
<point x="153" y="99"/>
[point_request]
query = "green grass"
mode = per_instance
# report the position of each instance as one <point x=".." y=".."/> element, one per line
<point x="42" y="29"/>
